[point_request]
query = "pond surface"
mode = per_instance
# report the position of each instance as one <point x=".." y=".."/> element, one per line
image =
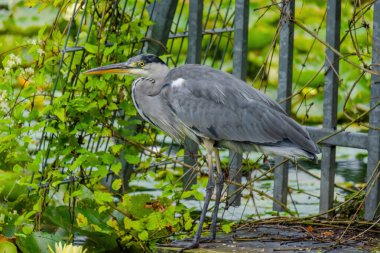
<point x="305" y="189"/>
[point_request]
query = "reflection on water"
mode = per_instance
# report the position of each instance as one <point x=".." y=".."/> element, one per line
<point x="352" y="170"/>
<point x="351" y="164"/>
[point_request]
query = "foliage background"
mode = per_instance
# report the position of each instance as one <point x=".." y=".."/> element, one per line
<point x="62" y="135"/>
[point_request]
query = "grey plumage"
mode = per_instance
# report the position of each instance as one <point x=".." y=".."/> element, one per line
<point x="208" y="103"/>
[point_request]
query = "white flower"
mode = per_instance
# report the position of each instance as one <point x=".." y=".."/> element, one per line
<point x="10" y="63"/>
<point x="3" y="103"/>
<point x="33" y="42"/>
<point x="66" y="248"/>
<point x="14" y="59"/>
<point x="3" y="94"/>
<point x="4" y="106"/>
<point x="40" y="51"/>
<point x="17" y="60"/>
<point x="29" y="71"/>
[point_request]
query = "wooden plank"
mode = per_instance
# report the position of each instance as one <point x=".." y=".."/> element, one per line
<point x="373" y="198"/>
<point x="285" y="77"/>
<point x="330" y="103"/>
<point x="240" y="71"/>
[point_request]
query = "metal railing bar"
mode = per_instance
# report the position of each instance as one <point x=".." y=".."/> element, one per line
<point x="372" y="200"/>
<point x="240" y="51"/>
<point x="344" y="139"/>
<point x="285" y="77"/>
<point x="330" y="103"/>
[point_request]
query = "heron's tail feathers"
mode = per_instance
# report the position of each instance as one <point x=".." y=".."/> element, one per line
<point x="288" y="150"/>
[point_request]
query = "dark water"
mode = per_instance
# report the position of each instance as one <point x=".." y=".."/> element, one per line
<point x="353" y="170"/>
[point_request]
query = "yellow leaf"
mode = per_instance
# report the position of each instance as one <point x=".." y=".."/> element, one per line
<point x="82" y="220"/>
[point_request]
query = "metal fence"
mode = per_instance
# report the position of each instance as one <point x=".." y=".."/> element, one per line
<point x="201" y="38"/>
<point x="328" y="135"/>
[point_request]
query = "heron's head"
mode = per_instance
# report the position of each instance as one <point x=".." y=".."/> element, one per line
<point x="142" y="65"/>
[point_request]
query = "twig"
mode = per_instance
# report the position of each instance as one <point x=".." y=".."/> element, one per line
<point x="363" y="68"/>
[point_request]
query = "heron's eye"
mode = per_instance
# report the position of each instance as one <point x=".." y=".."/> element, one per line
<point x="141" y="64"/>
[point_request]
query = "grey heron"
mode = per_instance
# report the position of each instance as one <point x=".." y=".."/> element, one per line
<point x="214" y="109"/>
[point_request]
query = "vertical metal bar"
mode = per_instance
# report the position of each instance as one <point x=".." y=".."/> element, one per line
<point x="373" y="198"/>
<point x="163" y="18"/>
<point x="285" y="76"/>
<point x="240" y="71"/>
<point x="195" y="32"/>
<point x="193" y="56"/>
<point x="330" y="103"/>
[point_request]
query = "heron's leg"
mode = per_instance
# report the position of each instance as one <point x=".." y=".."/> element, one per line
<point x="209" y="190"/>
<point x="218" y="193"/>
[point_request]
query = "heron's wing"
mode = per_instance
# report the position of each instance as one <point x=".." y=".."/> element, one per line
<point x="218" y="106"/>
<point x="222" y="84"/>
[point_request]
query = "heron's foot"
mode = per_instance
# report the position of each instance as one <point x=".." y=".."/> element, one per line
<point x="181" y="245"/>
<point x="207" y="239"/>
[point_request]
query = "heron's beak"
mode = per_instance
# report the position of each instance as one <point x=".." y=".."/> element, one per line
<point x="117" y="68"/>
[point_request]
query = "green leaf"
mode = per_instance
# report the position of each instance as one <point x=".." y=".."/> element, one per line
<point x="113" y="224"/>
<point x="60" y="113"/>
<point x="132" y="159"/>
<point x="144" y="236"/>
<point x="102" y="102"/>
<point x="153" y="221"/>
<point x="112" y="106"/>
<point x="107" y="158"/>
<point x="37" y="242"/>
<point x="188" y="224"/>
<point x="102" y="197"/>
<point x="102" y="209"/>
<point x="106" y="132"/>
<point x="226" y="228"/>
<point x="17" y="168"/>
<point x="116" y="167"/>
<point x="31" y="3"/>
<point x="78" y="162"/>
<point x="116" y="149"/>
<point x="91" y="48"/>
<point x="52" y="130"/>
<point x="116" y="184"/>
<point x="127" y="223"/>
<point x="27" y="229"/>
<point x="7" y="247"/>
<point x="135" y="205"/>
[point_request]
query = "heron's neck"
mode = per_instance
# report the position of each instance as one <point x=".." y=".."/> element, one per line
<point x="158" y="72"/>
